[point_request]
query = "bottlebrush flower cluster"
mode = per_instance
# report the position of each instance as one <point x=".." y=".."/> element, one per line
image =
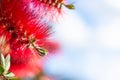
<point x="24" y="31"/>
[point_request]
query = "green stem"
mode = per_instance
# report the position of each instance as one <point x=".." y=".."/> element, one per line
<point x="40" y="50"/>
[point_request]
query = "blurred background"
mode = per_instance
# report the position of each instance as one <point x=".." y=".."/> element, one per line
<point x="90" y="42"/>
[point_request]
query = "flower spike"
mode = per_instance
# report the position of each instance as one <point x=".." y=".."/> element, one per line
<point x="25" y="29"/>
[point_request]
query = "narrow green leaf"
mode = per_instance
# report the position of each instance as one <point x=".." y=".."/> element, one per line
<point x="7" y="63"/>
<point x="1" y="70"/>
<point x="14" y="79"/>
<point x="2" y="60"/>
<point x="9" y="75"/>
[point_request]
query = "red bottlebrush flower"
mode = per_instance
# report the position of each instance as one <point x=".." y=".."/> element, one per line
<point x="26" y="26"/>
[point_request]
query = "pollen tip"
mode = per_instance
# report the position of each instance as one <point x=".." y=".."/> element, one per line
<point x="54" y="3"/>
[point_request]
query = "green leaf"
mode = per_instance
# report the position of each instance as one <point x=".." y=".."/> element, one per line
<point x="2" y="60"/>
<point x="1" y="70"/>
<point x="14" y="79"/>
<point x="69" y="6"/>
<point x="9" y="75"/>
<point x="7" y="63"/>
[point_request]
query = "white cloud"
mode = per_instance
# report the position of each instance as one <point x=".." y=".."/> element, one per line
<point x="108" y="35"/>
<point x="113" y="3"/>
<point x="97" y="64"/>
<point x="105" y="67"/>
<point x="72" y="30"/>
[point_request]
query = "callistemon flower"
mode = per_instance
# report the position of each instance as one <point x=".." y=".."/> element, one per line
<point x="25" y="26"/>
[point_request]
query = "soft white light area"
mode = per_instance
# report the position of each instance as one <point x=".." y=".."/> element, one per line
<point x="102" y="67"/>
<point x="95" y="52"/>
<point x="113" y="3"/>
<point x="72" y="30"/>
<point x="108" y="35"/>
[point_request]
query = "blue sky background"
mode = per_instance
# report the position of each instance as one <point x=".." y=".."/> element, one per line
<point x="90" y="41"/>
